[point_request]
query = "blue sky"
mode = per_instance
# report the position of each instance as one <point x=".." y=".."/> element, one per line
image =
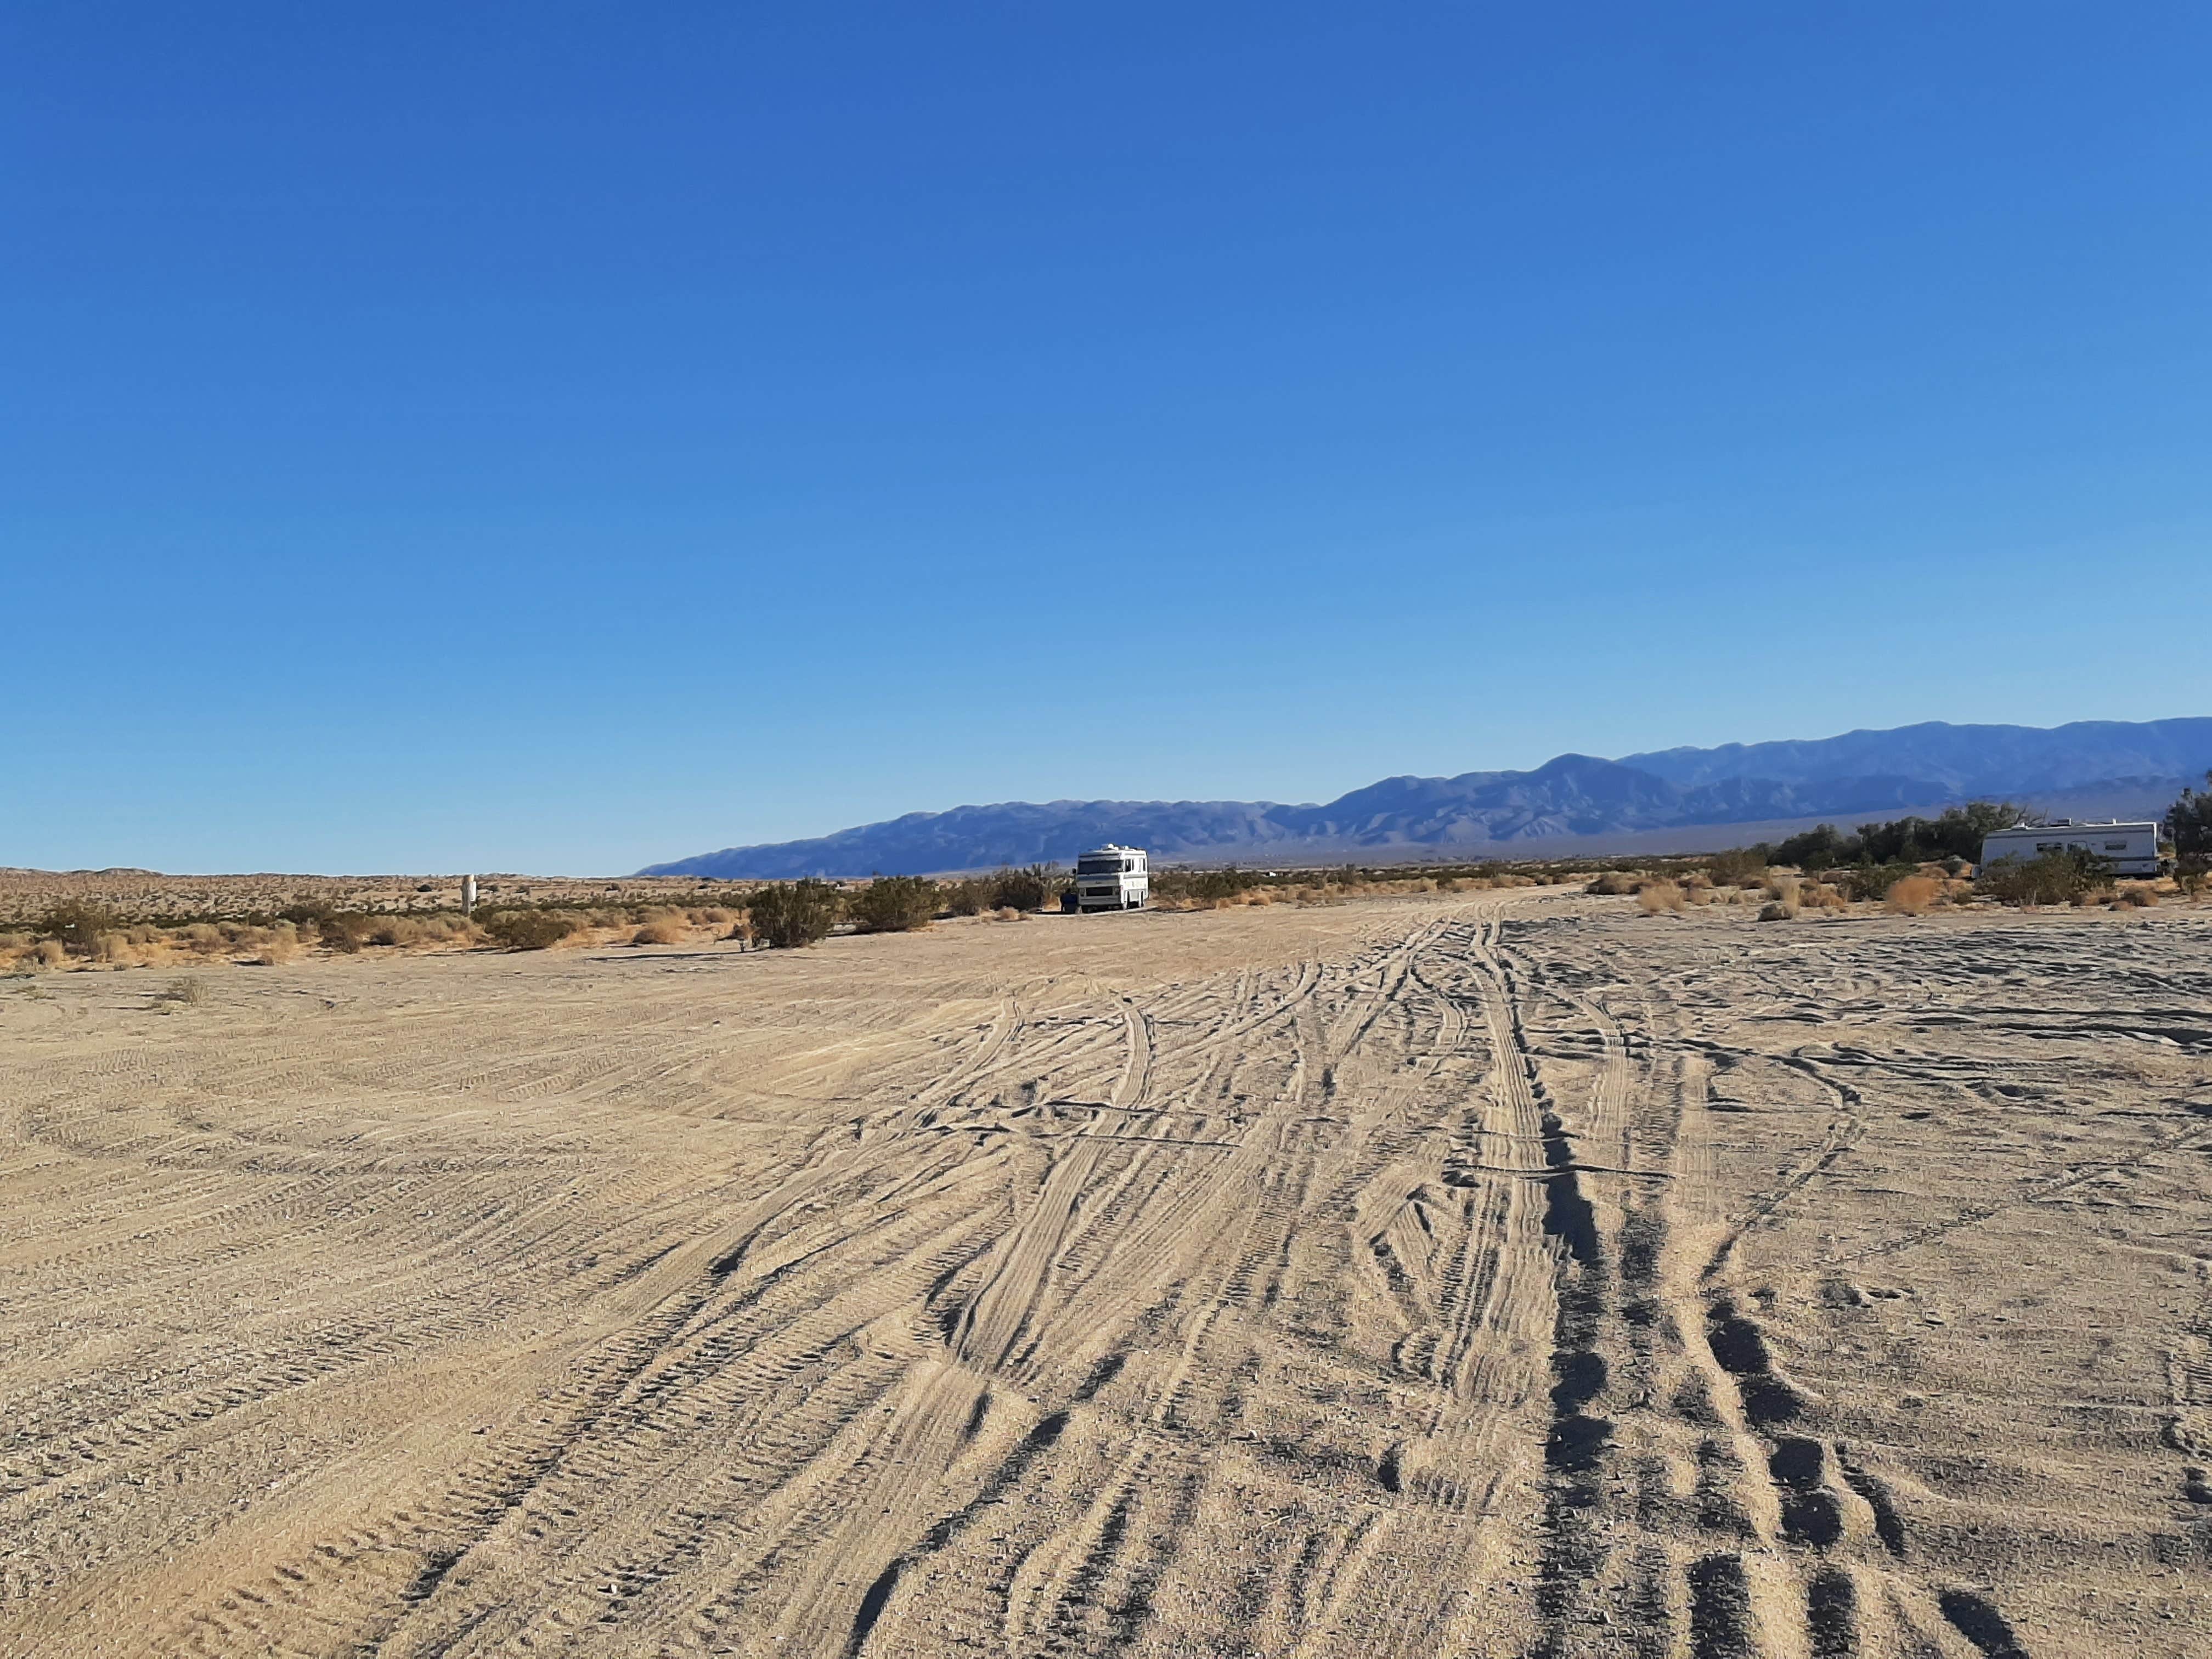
<point x="562" y="437"/>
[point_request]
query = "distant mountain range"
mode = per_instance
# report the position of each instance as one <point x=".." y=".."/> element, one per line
<point x="1572" y="803"/>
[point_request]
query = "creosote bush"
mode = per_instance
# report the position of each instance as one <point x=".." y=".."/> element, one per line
<point x="968" y="896"/>
<point x="529" y="930"/>
<point x="896" y="904"/>
<point x="788" y="915"/>
<point x="1022" y="890"/>
<point x="77" y="927"/>
<point x="2059" y="877"/>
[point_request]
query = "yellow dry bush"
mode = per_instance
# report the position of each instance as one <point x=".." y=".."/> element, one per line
<point x="2138" y="895"/>
<point x="116" y="949"/>
<point x="1910" y="896"/>
<point x="1008" y="912"/>
<point x="1656" y="895"/>
<point x="1614" y="882"/>
<point x="1819" y="895"/>
<point x="668" y="930"/>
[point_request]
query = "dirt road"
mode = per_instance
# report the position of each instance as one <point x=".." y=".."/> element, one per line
<point x="1514" y="1275"/>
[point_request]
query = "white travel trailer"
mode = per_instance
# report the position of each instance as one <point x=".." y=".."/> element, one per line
<point x="2130" y="849"/>
<point x="1112" y="877"/>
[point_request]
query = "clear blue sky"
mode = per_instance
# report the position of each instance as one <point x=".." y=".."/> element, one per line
<point x="560" y="437"/>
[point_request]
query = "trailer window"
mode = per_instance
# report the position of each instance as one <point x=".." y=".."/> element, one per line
<point x="2115" y="847"/>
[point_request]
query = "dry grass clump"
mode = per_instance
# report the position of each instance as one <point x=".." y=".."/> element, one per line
<point x="1615" y="883"/>
<point x="1820" y="896"/>
<point x="1656" y="895"/>
<point x="663" y="930"/>
<point x="1006" y="913"/>
<point x="2137" y="895"/>
<point x="282" y="946"/>
<point x="185" y="992"/>
<point x="1780" y="909"/>
<point x="1910" y="896"/>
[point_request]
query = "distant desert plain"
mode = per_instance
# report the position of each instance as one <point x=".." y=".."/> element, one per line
<point x="1496" y="1273"/>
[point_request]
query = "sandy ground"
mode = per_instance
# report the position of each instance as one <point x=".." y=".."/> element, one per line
<point x="1516" y="1275"/>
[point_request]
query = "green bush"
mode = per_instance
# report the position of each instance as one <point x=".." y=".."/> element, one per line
<point x="1738" y="868"/>
<point x="1956" y="833"/>
<point x="969" y="897"/>
<point x="896" y="904"/>
<point x="78" y="925"/>
<point x="2189" y="825"/>
<point x="786" y="917"/>
<point x="1022" y="890"/>
<point x="527" y="930"/>
<point x="2057" y="877"/>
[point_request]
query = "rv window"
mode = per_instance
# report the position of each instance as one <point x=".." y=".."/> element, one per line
<point x="2115" y="847"/>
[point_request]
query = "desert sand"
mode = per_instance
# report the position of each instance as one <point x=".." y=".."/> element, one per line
<point x="1513" y="1273"/>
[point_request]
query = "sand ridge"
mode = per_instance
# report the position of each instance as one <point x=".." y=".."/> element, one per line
<point x="1501" y="1274"/>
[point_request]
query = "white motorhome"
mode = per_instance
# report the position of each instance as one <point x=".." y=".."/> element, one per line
<point x="2130" y="849"/>
<point x="1112" y="877"/>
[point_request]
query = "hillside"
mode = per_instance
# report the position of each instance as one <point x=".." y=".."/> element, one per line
<point x="1574" y="802"/>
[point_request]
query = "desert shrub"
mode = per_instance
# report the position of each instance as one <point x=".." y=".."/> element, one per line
<point x="1820" y="896"/>
<point x="1777" y="909"/>
<point x="76" y="927"/>
<point x="400" y="930"/>
<point x="280" y="945"/>
<point x="530" y="930"/>
<point x="662" y="930"/>
<point x="345" y="930"/>
<point x="1008" y="912"/>
<point x="1868" y="883"/>
<point x="1815" y="849"/>
<point x="896" y="904"/>
<point x="1741" y="866"/>
<point x="202" y="939"/>
<point x="48" y="953"/>
<point x="1910" y="896"/>
<point x="1656" y="895"/>
<point x="2189" y="825"/>
<point x="969" y="897"/>
<point x="1022" y="890"/>
<point x="2057" y="877"/>
<point x="790" y="915"/>
<point x="2137" y="895"/>
<point x="1615" y="883"/>
<point x="185" y="992"/>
